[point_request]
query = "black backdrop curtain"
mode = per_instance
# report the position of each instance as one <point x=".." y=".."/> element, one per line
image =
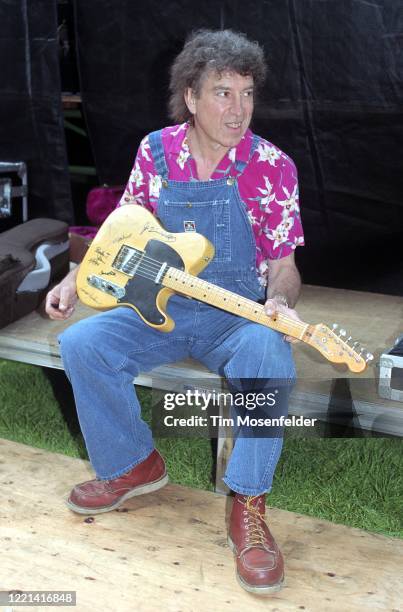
<point x="30" y="104"/>
<point x="333" y="102"/>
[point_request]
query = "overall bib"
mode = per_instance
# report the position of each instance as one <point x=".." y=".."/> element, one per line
<point x="103" y="354"/>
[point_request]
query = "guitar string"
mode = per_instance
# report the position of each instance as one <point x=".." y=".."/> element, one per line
<point x="262" y="317"/>
<point x="233" y="299"/>
<point x="153" y="266"/>
<point x="198" y="283"/>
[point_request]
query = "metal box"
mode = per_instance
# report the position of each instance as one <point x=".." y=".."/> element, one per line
<point x="13" y="194"/>
<point x="391" y="372"/>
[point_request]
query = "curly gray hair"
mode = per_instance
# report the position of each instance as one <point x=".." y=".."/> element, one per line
<point x="212" y="50"/>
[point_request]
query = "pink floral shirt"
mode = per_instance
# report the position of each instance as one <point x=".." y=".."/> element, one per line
<point x="268" y="187"/>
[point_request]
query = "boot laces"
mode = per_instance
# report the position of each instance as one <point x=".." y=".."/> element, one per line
<point x="255" y="522"/>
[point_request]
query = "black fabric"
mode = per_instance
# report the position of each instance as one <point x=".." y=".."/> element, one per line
<point x="124" y="51"/>
<point x="333" y="102"/>
<point x="30" y="104"/>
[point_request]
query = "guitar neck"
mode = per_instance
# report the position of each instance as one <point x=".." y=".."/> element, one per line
<point x="192" y="286"/>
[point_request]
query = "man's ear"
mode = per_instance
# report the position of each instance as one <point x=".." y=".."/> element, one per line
<point x="190" y="100"/>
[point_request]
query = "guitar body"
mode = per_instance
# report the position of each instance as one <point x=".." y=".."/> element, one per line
<point x="133" y="261"/>
<point x="110" y="262"/>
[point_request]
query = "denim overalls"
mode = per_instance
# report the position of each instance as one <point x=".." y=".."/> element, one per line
<point x="103" y="354"/>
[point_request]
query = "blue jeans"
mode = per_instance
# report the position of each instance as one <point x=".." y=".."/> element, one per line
<point x="102" y="355"/>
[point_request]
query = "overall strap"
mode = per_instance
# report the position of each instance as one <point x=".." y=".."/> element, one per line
<point x="241" y="165"/>
<point x="157" y="151"/>
<point x="254" y="145"/>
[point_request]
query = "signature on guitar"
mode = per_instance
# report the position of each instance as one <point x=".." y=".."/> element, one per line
<point x="148" y="227"/>
<point x="121" y="238"/>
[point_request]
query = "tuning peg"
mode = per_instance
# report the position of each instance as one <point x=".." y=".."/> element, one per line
<point x="342" y="333"/>
<point x="354" y="344"/>
<point x="334" y="326"/>
<point x="369" y="357"/>
<point x="349" y="338"/>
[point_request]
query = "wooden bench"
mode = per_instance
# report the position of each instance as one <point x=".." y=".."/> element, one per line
<point x="374" y="319"/>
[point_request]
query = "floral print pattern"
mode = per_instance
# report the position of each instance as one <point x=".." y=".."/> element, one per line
<point x="268" y="187"/>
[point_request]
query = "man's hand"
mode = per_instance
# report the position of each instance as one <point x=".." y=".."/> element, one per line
<point x="61" y="300"/>
<point x="274" y="306"/>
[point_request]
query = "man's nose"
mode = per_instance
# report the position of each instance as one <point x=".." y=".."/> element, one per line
<point x="237" y="106"/>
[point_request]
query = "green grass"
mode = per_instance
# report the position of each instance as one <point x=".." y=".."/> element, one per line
<point x="356" y="482"/>
<point x="29" y="412"/>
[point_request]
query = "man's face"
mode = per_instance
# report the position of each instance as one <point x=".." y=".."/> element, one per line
<point x="223" y="109"/>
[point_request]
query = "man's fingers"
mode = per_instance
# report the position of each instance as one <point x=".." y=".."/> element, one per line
<point x="52" y="301"/>
<point x="66" y="299"/>
<point x="60" y="315"/>
<point x="60" y="305"/>
<point x="61" y="299"/>
<point x="271" y="308"/>
<point x="292" y="340"/>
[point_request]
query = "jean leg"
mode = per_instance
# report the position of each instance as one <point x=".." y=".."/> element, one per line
<point x="101" y="356"/>
<point x="253" y="352"/>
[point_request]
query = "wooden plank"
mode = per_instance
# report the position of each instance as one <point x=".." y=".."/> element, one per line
<point x="168" y="551"/>
<point x="33" y="339"/>
<point x="373" y="318"/>
<point x="372" y="416"/>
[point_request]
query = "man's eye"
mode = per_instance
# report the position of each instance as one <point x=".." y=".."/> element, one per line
<point x="223" y="94"/>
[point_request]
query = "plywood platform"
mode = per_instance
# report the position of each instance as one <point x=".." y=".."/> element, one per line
<point x="373" y="319"/>
<point x="167" y="551"/>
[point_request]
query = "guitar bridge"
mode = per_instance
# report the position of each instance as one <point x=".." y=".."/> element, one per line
<point x="106" y="286"/>
<point x="127" y="260"/>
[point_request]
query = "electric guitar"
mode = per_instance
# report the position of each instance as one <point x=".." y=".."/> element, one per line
<point x="133" y="261"/>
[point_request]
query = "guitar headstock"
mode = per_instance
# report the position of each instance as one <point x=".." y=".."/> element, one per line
<point x="333" y="346"/>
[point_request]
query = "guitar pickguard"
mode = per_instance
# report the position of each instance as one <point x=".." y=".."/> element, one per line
<point x="142" y="292"/>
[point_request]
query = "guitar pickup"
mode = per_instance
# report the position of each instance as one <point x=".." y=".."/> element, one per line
<point x="127" y="260"/>
<point x="106" y="286"/>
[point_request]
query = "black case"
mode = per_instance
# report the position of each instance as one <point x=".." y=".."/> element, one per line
<point x="33" y="256"/>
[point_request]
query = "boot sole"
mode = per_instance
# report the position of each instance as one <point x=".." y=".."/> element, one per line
<point x="141" y="490"/>
<point x="257" y="590"/>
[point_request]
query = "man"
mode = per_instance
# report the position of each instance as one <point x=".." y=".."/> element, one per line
<point x="212" y="175"/>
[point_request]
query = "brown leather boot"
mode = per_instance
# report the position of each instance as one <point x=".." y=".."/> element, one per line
<point x="260" y="566"/>
<point x="96" y="496"/>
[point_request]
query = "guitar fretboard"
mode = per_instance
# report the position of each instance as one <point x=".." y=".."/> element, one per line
<point x="192" y="286"/>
